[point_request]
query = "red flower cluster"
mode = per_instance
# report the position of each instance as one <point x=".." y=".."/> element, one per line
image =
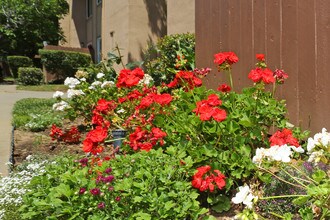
<point x="144" y="139"/>
<point x="225" y="57"/>
<point x="260" y="57"/>
<point x="206" y="182"/>
<point x="70" y="136"/>
<point x="162" y="99"/>
<point x="207" y="109"/>
<point x="280" y="76"/>
<point x="128" y="78"/>
<point x="93" y="140"/>
<point x="186" y="79"/>
<point x="258" y="74"/>
<point x="103" y="106"/>
<point x="224" y="88"/>
<point x="283" y="137"/>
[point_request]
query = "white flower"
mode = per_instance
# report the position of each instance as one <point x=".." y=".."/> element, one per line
<point x="71" y="82"/>
<point x="280" y="153"/>
<point x="147" y="79"/>
<point x="107" y="84"/>
<point x="58" y="94"/>
<point x="100" y="75"/>
<point x="244" y="196"/>
<point x="74" y="92"/>
<point x="310" y="145"/>
<point x="83" y="79"/>
<point x="260" y="154"/>
<point x="315" y="156"/>
<point x="121" y="111"/>
<point x="96" y="83"/>
<point x="298" y="149"/>
<point x="91" y="87"/>
<point x="60" y="106"/>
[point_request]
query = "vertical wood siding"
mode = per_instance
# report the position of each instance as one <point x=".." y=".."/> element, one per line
<point x="293" y="34"/>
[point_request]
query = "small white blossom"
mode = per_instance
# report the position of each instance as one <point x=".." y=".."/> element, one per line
<point x="74" y="92"/>
<point x="29" y="157"/>
<point x="320" y="139"/>
<point x="315" y="156"/>
<point x="121" y="111"/>
<point x="91" y="87"/>
<point x="260" y="155"/>
<point x="71" y="82"/>
<point x="244" y="196"/>
<point x="100" y="75"/>
<point x="96" y="83"/>
<point x="147" y="79"/>
<point x="107" y="84"/>
<point x="58" y="94"/>
<point x="83" y="79"/>
<point x="60" y="106"/>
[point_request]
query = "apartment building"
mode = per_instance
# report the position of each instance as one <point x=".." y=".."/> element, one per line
<point x="130" y="24"/>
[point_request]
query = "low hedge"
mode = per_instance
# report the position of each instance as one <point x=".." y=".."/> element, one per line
<point x="30" y="76"/>
<point x="63" y="63"/>
<point x="16" y="62"/>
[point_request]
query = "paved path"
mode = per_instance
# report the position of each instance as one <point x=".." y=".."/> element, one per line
<point x="8" y="96"/>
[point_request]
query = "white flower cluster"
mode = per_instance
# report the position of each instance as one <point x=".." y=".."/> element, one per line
<point x="74" y="92"/>
<point x="60" y="106"/>
<point x="147" y="79"/>
<point x="278" y="153"/>
<point x="317" y="145"/>
<point x="13" y="187"/>
<point x="71" y="82"/>
<point x="245" y="196"/>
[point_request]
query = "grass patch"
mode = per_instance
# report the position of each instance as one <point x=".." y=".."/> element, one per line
<point x="35" y="114"/>
<point x="45" y="87"/>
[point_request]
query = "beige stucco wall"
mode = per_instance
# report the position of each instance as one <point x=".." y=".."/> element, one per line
<point x="131" y="24"/>
<point x="74" y="24"/>
<point x="180" y="16"/>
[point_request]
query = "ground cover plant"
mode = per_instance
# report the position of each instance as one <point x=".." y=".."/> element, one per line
<point x="213" y="148"/>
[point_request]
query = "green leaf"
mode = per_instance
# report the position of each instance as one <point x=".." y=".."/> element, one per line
<point x="169" y="205"/>
<point x="245" y="121"/>
<point x="137" y="199"/>
<point x="319" y="175"/>
<point x="63" y="189"/>
<point x="223" y="204"/>
<point x="142" y="216"/>
<point x="300" y="200"/>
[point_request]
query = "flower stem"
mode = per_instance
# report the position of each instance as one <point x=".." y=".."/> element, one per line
<point x="282" y="196"/>
<point x="230" y="79"/>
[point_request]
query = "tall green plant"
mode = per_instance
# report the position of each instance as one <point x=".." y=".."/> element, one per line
<point x="170" y="54"/>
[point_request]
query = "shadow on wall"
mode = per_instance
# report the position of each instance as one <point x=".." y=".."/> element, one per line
<point x="79" y="20"/>
<point x="157" y="15"/>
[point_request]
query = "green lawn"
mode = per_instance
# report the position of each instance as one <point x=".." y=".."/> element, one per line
<point x="46" y="87"/>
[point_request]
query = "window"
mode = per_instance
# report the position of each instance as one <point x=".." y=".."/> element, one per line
<point x="98" y="49"/>
<point x="98" y="2"/>
<point x="89" y="8"/>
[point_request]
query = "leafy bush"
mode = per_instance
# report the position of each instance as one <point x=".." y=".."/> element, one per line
<point x="170" y="54"/>
<point x="16" y="62"/>
<point x="30" y="76"/>
<point x="145" y="185"/>
<point x="63" y="63"/>
<point x="35" y="114"/>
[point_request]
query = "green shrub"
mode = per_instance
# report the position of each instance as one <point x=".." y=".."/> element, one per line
<point x="63" y="63"/>
<point x="30" y="76"/>
<point x="145" y="185"/>
<point x="16" y="62"/>
<point x="170" y="54"/>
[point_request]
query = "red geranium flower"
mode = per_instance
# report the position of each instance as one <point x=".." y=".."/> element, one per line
<point x="258" y="74"/>
<point x="129" y="78"/>
<point x="224" y="88"/>
<point x="283" y="137"/>
<point x="260" y="57"/>
<point x="225" y="57"/>
<point x="204" y="182"/>
<point x="186" y="79"/>
<point x="280" y="76"/>
<point x="104" y="106"/>
<point x="207" y="109"/>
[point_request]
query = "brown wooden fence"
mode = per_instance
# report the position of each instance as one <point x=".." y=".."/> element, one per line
<point x="293" y="34"/>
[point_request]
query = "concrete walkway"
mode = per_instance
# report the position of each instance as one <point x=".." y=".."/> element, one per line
<point x="8" y="96"/>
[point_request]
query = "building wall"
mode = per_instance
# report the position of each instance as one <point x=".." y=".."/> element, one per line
<point x="294" y="36"/>
<point x="180" y="16"/>
<point x="74" y="25"/>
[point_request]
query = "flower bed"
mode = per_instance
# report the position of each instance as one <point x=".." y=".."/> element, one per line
<point x="189" y="152"/>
